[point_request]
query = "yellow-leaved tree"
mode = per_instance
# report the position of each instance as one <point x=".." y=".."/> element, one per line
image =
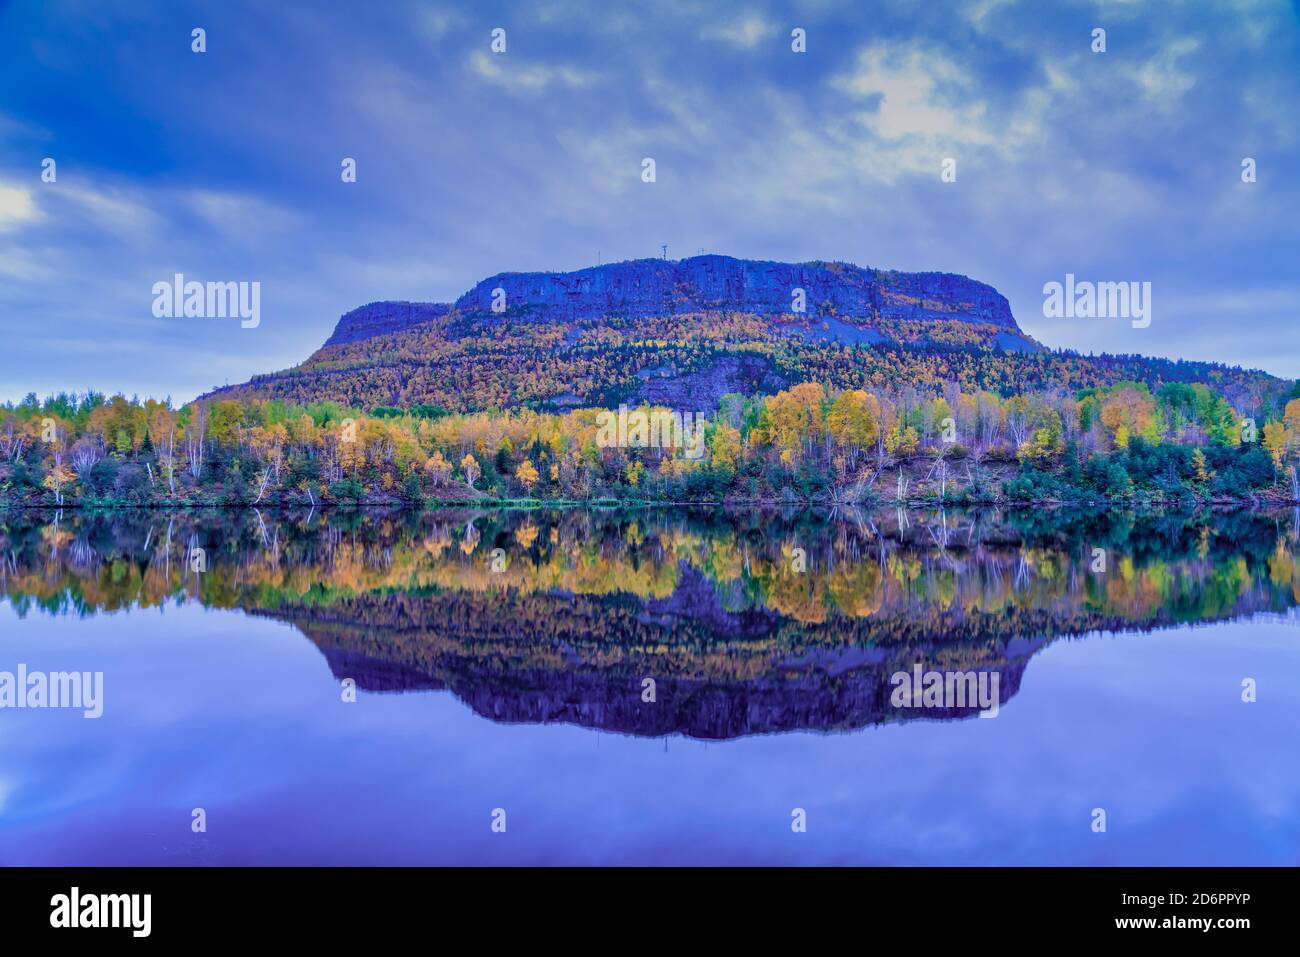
<point x="527" y="474"/>
<point x="469" y="465"/>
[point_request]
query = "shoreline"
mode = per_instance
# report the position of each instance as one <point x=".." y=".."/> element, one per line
<point x="1253" y="504"/>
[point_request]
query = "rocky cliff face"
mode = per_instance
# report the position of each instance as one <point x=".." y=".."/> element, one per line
<point x="659" y="287"/>
<point x="679" y="333"/>
<point x="656" y="287"/>
<point x="381" y="318"/>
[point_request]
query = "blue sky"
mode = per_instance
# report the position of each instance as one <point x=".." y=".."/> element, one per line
<point x="225" y="165"/>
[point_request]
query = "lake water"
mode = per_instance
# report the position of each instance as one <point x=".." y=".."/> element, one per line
<point x="501" y="663"/>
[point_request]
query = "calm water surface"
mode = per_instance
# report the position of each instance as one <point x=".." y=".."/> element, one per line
<point x="500" y="659"/>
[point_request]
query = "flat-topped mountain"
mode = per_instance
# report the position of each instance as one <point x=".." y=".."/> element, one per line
<point x="685" y="333"/>
<point x="641" y="288"/>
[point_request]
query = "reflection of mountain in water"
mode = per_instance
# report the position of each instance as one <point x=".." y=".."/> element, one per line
<point x="583" y="659"/>
<point x="748" y="623"/>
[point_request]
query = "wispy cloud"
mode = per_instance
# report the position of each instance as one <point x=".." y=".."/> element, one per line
<point x="436" y="22"/>
<point x="525" y="78"/>
<point x="113" y="209"/>
<point x="242" y="216"/>
<point x="746" y="31"/>
<point x="1164" y="76"/>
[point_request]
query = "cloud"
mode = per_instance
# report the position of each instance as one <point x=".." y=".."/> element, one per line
<point x="746" y="32"/>
<point x="112" y="209"/>
<point x="240" y="215"/>
<point x="1162" y="77"/>
<point x="435" y="22"/>
<point x="978" y="11"/>
<point x="920" y="108"/>
<point x="16" y="207"/>
<point x="527" y="79"/>
<point x="916" y="92"/>
<point x="20" y="264"/>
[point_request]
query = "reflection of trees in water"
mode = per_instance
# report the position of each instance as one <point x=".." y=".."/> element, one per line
<point x="749" y="623"/>
<point x="536" y="657"/>
<point x="813" y="571"/>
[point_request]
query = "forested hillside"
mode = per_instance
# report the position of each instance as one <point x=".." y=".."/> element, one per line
<point x="888" y="386"/>
<point x="684" y="334"/>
